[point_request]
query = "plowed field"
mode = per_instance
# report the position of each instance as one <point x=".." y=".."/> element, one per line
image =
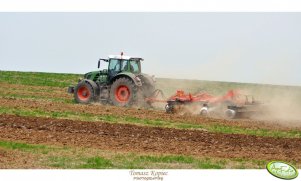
<point x="147" y="139"/>
<point x="35" y="116"/>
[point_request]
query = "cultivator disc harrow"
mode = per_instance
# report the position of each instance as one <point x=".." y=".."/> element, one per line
<point x="231" y="105"/>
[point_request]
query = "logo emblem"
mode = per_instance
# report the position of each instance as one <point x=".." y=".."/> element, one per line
<point x="282" y="170"/>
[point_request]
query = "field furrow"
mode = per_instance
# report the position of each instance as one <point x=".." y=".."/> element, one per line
<point x="147" y="139"/>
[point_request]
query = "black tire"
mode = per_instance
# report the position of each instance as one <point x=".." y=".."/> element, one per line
<point x="83" y="93"/>
<point x="127" y="100"/>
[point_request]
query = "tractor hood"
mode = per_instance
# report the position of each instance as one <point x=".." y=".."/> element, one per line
<point x="94" y="74"/>
<point x="89" y="75"/>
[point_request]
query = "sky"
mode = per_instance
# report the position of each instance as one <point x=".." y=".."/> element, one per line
<point x="235" y="47"/>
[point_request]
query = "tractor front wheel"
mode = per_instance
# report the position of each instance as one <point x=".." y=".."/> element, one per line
<point x="83" y="93"/>
<point x="123" y="92"/>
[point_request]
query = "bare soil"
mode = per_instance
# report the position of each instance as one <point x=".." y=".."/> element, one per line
<point x="124" y="137"/>
<point x="140" y="114"/>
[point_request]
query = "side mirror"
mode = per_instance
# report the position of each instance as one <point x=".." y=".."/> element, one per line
<point x="98" y="64"/>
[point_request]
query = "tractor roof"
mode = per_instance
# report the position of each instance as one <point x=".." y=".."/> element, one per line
<point x="123" y="57"/>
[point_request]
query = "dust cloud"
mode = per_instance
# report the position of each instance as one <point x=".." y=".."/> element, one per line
<point x="280" y="104"/>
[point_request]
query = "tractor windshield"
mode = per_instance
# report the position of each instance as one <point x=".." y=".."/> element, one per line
<point x="114" y="65"/>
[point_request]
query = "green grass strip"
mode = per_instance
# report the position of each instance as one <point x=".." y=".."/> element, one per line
<point x="83" y="158"/>
<point x="20" y="146"/>
<point x="32" y="148"/>
<point x="134" y="161"/>
<point x="33" y="97"/>
<point x="38" y="78"/>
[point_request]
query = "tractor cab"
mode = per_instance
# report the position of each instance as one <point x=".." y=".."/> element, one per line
<point x="118" y="64"/>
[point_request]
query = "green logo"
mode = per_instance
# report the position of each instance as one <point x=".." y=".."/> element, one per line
<point x="282" y="170"/>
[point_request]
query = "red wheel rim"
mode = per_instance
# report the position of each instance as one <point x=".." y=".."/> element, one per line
<point x="83" y="93"/>
<point x="122" y="94"/>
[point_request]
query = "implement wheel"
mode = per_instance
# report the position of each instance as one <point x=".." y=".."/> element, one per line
<point x="169" y="108"/>
<point x="83" y="93"/>
<point x="230" y="114"/>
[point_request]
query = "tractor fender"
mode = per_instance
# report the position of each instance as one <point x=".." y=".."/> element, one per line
<point x="93" y="85"/>
<point x="150" y="80"/>
<point x="132" y="77"/>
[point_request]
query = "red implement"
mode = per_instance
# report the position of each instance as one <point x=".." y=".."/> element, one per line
<point x="199" y="97"/>
<point x="232" y="103"/>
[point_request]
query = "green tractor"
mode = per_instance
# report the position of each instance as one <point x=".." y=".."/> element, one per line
<point x="122" y="84"/>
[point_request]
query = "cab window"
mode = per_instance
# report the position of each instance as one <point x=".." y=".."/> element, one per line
<point x="134" y="66"/>
<point x="114" y="65"/>
<point x="124" y="65"/>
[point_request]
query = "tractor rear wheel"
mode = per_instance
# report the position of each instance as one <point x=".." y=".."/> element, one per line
<point x="123" y="92"/>
<point x="83" y="93"/>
